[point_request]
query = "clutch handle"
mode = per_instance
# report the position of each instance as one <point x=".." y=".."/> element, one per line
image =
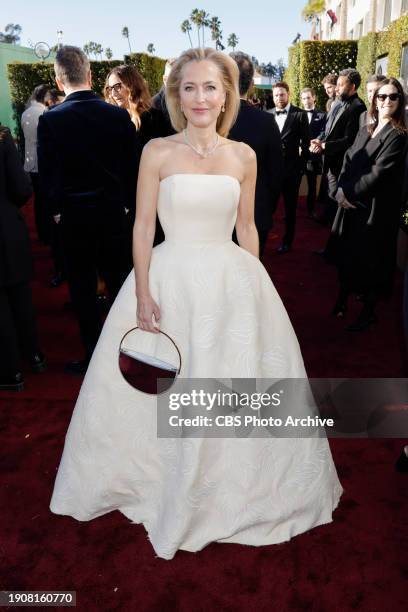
<point x="161" y="332"/>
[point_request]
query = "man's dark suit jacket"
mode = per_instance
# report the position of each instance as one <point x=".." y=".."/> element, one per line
<point x="317" y="124"/>
<point x="295" y="134"/>
<point x="159" y="104"/>
<point x="316" y="127"/>
<point x="87" y="155"/>
<point x="340" y="133"/>
<point x="259" y="130"/>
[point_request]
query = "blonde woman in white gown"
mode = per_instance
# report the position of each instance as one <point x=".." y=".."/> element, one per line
<point x="218" y="303"/>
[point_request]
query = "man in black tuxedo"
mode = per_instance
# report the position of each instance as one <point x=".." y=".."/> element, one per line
<point x="341" y="129"/>
<point x="295" y="138"/>
<point x="317" y="122"/>
<point x="87" y="159"/>
<point x="259" y="130"/>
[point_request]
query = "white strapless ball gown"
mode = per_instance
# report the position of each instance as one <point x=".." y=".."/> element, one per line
<point x="219" y="304"/>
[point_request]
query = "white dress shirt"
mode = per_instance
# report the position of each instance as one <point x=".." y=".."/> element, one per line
<point x="29" y="124"/>
<point x="309" y="114"/>
<point x="280" y="119"/>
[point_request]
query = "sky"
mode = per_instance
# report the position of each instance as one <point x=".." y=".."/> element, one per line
<point x="265" y="28"/>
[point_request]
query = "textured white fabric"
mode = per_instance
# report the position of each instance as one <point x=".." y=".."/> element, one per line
<point x="220" y="306"/>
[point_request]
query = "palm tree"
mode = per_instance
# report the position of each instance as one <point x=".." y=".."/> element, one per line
<point x="86" y="49"/>
<point x="92" y="47"/>
<point x="150" y="48"/>
<point x="125" y="34"/>
<point x="313" y="9"/>
<point x="216" y="33"/>
<point x="186" y="29"/>
<point x="11" y="33"/>
<point x="311" y="13"/>
<point x="196" y="19"/>
<point x="98" y="50"/>
<point x="232" y="41"/>
<point x="108" y="53"/>
<point x="204" y="20"/>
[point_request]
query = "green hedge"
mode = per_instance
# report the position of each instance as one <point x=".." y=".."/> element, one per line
<point x="292" y="72"/>
<point x="390" y="43"/>
<point x="311" y="60"/>
<point x="373" y="46"/>
<point x="24" y="77"/>
<point x="366" y="57"/>
<point x="151" y="67"/>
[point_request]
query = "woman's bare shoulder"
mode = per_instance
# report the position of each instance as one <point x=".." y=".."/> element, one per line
<point x="243" y="151"/>
<point x="165" y="143"/>
<point x="160" y="147"/>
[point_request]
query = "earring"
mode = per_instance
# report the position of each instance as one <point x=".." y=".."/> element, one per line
<point x="223" y="108"/>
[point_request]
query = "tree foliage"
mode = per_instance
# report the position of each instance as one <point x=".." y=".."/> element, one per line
<point x="313" y="9"/>
<point x="11" y="34"/>
<point x="232" y="41"/>
<point x="125" y="34"/>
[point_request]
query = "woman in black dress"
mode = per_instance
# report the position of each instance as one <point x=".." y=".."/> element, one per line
<point x="370" y="199"/>
<point x="126" y="87"/>
<point x="17" y="321"/>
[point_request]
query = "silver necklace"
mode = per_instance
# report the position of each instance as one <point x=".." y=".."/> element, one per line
<point x="201" y="153"/>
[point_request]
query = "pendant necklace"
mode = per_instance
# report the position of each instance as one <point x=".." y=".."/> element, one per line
<point x="201" y="153"/>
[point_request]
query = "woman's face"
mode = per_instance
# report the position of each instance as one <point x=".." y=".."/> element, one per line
<point x="202" y="93"/>
<point x="387" y="107"/>
<point x="118" y="91"/>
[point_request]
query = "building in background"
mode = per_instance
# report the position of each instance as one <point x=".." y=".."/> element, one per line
<point x="352" y="19"/>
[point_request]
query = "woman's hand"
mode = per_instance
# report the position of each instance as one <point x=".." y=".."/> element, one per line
<point x="148" y="314"/>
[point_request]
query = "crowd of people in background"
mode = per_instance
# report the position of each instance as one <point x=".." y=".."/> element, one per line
<point x="82" y="154"/>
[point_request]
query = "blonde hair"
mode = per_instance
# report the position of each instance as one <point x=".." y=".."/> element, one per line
<point x="229" y="77"/>
<point x="139" y="95"/>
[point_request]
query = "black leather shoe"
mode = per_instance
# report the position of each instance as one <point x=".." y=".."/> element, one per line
<point x="77" y="367"/>
<point x="362" y="322"/>
<point x="38" y="363"/>
<point x="401" y="464"/>
<point x="12" y="383"/>
<point x="284" y="248"/>
<point x="57" y="280"/>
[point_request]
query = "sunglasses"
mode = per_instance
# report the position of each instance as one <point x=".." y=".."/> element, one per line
<point x="393" y="97"/>
<point x="117" y="87"/>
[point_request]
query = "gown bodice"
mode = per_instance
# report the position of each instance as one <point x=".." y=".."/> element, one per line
<point x="198" y="208"/>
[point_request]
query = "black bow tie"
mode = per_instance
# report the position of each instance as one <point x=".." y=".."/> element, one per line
<point x="309" y="111"/>
<point x="282" y="112"/>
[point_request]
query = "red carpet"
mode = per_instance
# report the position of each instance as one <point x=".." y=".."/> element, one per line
<point x="358" y="562"/>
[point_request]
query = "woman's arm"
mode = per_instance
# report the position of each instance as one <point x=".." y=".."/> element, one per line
<point x="245" y="225"/>
<point x="143" y="233"/>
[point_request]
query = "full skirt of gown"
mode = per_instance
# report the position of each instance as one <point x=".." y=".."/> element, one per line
<point x="220" y="306"/>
